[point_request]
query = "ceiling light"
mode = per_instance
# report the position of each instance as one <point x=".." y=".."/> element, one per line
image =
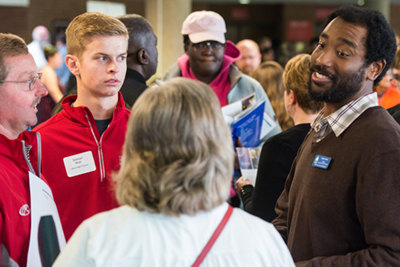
<point x="244" y="2"/>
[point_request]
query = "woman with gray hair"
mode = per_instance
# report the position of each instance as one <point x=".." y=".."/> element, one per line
<point x="173" y="184"/>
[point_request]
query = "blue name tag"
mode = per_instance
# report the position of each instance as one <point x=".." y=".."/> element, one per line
<point x="321" y="162"/>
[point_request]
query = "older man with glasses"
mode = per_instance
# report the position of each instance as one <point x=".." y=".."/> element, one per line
<point x="20" y="92"/>
<point x="209" y="58"/>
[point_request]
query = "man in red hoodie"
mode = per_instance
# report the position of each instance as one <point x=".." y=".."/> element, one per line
<point x="209" y="58"/>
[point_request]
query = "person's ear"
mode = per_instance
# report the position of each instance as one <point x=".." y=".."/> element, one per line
<point x="292" y="98"/>
<point x="375" y="69"/>
<point x="73" y="65"/>
<point x="143" y="56"/>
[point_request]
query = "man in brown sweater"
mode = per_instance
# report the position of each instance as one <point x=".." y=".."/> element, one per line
<point x="341" y="203"/>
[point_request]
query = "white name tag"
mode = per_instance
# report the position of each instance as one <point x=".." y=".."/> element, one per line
<point x="79" y="164"/>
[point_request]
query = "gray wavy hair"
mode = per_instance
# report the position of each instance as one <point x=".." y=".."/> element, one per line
<point x="178" y="154"/>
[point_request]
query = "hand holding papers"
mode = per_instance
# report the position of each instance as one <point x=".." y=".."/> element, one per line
<point x="248" y="160"/>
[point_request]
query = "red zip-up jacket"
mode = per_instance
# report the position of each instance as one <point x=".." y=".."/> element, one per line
<point x="69" y="133"/>
<point x="15" y="203"/>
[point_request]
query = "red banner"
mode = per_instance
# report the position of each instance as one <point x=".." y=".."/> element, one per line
<point x="299" y="30"/>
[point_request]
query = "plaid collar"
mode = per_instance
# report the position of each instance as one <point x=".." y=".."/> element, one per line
<point x="342" y="118"/>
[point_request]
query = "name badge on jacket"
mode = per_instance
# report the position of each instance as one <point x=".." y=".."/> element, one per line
<point x="321" y="162"/>
<point x="79" y="164"/>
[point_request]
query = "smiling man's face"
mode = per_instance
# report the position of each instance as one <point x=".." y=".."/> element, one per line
<point x="18" y="101"/>
<point x="338" y="70"/>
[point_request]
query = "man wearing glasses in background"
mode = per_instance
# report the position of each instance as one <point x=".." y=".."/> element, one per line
<point x="20" y="93"/>
<point x="209" y="58"/>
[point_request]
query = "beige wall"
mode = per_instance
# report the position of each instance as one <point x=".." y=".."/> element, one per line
<point x="166" y="17"/>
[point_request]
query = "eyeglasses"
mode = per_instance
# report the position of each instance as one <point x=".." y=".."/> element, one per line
<point x="31" y="82"/>
<point x="204" y="45"/>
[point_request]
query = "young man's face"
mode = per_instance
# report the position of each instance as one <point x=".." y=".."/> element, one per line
<point x="17" y="102"/>
<point x="337" y="64"/>
<point x="102" y="66"/>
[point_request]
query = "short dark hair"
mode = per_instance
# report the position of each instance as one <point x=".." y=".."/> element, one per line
<point x="186" y="39"/>
<point x="138" y="29"/>
<point x="380" y="43"/>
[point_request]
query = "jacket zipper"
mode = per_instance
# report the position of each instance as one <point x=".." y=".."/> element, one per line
<point x="99" y="150"/>
<point x="26" y="158"/>
<point x="39" y="153"/>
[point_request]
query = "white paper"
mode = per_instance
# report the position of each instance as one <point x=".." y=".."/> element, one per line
<point x="236" y="108"/>
<point x="42" y="204"/>
<point x="250" y="174"/>
<point x="79" y="164"/>
<point x="232" y="109"/>
<point x="248" y="160"/>
<point x="268" y="124"/>
<point x="229" y="120"/>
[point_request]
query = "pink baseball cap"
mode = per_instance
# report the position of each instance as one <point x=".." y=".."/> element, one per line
<point x="203" y="26"/>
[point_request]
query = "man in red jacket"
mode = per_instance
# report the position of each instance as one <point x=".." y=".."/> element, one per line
<point x="82" y="145"/>
<point x="20" y="92"/>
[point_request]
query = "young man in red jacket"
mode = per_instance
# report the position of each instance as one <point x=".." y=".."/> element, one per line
<point x="82" y="144"/>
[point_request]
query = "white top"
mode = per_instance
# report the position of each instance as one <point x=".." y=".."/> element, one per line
<point x="38" y="54"/>
<point x="127" y="237"/>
